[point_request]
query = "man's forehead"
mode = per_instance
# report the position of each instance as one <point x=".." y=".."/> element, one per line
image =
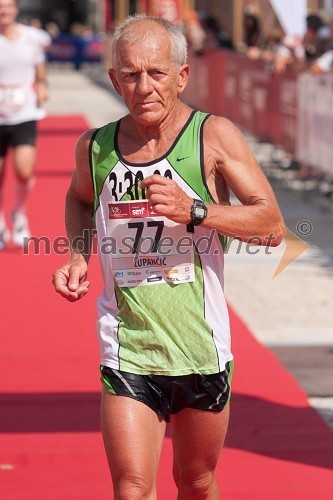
<point x="147" y="47"/>
<point x="144" y="44"/>
<point x="146" y="27"/>
<point x="146" y="38"/>
<point x="7" y="3"/>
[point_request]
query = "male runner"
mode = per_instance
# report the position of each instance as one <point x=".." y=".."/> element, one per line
<point x="157" y="182"/>
<point x="22" y="91"/>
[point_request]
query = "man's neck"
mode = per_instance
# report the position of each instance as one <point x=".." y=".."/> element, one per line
<point x="158" y="131"/>
<point x="10" y="31"/>
<point x="137" y="143"/>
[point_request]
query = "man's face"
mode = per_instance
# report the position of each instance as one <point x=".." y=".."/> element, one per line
<point x="8" y="12"/>
<point x="147" y="78"/>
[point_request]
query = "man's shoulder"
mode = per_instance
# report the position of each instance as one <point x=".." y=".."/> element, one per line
<point x="86" y="137"/>
<point x="217" y="125"/>
<point x="27" y="30"/>
<point x="33" y="34"/>
<point x="222" y="136"/>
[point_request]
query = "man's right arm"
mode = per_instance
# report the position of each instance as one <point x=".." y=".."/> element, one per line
<point x="71" y="279"/>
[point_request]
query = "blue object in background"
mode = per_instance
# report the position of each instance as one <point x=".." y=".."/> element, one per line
<point x="76" y="50"/>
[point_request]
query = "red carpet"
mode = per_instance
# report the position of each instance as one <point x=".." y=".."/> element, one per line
<point x="50" y="442"/>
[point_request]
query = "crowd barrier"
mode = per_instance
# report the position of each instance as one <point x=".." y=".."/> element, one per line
<point x="292" y="109"/>
<point x="76" y="50"/>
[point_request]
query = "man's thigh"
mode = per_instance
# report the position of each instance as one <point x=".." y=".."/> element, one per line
<point x="133" y="436"/>
<point x="198" y="438"/>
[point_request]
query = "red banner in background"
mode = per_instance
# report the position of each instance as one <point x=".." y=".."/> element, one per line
<point x="168" y="9"/>
<point x="108" y="14"/>
<point x="246" y="92"/>
<point x="205" y="89"/>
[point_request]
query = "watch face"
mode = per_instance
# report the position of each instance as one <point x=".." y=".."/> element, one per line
<point x="199" y="212"/>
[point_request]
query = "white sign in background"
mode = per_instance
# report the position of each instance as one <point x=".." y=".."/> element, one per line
<point x="315" y="121"/>
<point x="292" y="16"/>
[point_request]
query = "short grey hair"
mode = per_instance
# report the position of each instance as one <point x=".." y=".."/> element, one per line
<point x="127" y="32"/>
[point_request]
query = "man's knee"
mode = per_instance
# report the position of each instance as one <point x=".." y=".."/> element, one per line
<point x="133" y="487"/>
<point x="194" y="484"/>
<point x="25" y="177"/>
<point x="24" y="172"/>
<point x="24" y="162"/>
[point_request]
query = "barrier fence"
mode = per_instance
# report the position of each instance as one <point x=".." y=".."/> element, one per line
<point x="292" y="109"/>
<point x="76" y="50"/>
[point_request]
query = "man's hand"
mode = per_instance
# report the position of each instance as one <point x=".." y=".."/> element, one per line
<point x="70" y="280"/>
<point x="167" y="198"/>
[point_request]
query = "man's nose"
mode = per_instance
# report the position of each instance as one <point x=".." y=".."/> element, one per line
<point x="144" y="84"/>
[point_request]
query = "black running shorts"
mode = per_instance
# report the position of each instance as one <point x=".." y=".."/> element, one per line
<point x="17" y="135"/>
<point x="166" y="395"/>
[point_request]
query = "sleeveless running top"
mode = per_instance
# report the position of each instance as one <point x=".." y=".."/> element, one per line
<point x="162" y="310"/>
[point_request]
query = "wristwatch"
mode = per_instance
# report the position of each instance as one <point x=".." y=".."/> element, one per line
<point x="198" y="212"/>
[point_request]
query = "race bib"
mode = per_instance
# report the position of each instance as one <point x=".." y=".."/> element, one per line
<point x="147" y="249"/>
<point x="11" y="98"/>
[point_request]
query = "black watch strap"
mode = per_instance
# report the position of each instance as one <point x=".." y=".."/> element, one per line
<point x="198" y="212"/>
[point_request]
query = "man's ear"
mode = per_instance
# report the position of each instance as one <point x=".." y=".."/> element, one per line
<point x="114" y="81"/>
<point x="184" y="72"/>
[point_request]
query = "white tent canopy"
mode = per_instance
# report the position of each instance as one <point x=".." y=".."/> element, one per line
<point x="291" y="15"/>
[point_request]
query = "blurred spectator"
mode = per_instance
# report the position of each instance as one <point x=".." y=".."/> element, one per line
<point x="296" y="47"/>
<point x="313" y="38"/>
<point x="204" y="32"/>
<point x="275" y="53"/>
<point x="194" y="32"/>
<point x="52" y="29"/>
<point x="251" y="29"/>
<point x="324" y="63"/>
<point x="215" y="35"/>
<point x="81" y="30"/>
<point x="22" y="93"/>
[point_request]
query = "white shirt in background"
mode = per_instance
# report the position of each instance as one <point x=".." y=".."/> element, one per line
<point x="19" y="58"/>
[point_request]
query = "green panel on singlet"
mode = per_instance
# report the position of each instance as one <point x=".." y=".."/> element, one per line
<point x="103" y="158"/>
<point x="167" y="326"/>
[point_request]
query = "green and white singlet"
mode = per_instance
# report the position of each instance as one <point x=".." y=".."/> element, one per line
<point x="162" y="310"/>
